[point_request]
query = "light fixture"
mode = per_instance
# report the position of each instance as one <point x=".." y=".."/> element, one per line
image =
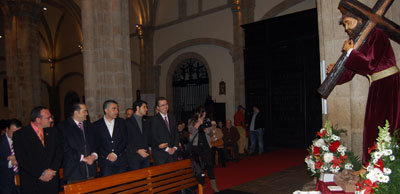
<point x="44" y="8"/>
<point x="80" y="46"/>
<point x="1" y="36"/>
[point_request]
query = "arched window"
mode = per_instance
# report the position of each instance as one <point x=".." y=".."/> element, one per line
<point x="190" y="87"/>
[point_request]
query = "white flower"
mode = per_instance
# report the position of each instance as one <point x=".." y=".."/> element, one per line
<point x="319" y="143"/>
<point x="375" y="160"/>
<point x="324" y="169"/>
<point x="310" y="163"/>
<point x="370" y="168"/>
<point x="383" y="178"/>
<point x="334" y="170"/>
<point x="372" y="176"/>
<point x="392" y="158"/>
<point x="335" y="138"/>
<point x="328" y="157"/>
<point x="387" y="138"/>
<point x="387" y="171"/>
<point x="387" y="152"/>
<point x="359" y="192"/>
<point x="377" y="155"/>
<point x="348" y="166"/>
<point x="325" y="148"/>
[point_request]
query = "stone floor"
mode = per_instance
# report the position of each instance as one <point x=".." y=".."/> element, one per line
<point x="283" y="182"/>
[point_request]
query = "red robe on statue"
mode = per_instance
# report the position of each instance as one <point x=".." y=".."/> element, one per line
<point x="384" y="94"/>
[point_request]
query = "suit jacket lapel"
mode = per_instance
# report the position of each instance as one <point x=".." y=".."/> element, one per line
<point x="105" y="128"/>
<point x="76" y="131"/>
<point x="136" y="124"/>
<point x="35" y="138"/>
<point x="161" y="118"/>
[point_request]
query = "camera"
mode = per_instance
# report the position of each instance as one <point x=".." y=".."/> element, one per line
<point x="207" y="122"/>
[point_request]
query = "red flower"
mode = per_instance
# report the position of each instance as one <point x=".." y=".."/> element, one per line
<point x="318" y="164"/>
<point x="334" y="146"/>
<point x="343" y="158"/>
<point x="379" y="164"/>
<point x="369" y="187"/>
<point x="336" y="162"/>
<point x="321" y="134"/>
<point x="370" y="149"/>
<point x="316" y="151"/>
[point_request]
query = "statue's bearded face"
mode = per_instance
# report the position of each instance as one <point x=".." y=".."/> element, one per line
<point x="352" y="26"/>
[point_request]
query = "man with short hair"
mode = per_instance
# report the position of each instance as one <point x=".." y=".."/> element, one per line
<point x="39" y="153"/>
<point x="138" y="147"/>
<point x="231" y="137"/>
<point x="79" y="145"/>
<point x="128" y="113"/>
<point x="8" y="162"/>
<point x="375" y="60"/>
<point x="111" y="138"/>
<point x="164" y="133"/>
<point x="257" y="127"/>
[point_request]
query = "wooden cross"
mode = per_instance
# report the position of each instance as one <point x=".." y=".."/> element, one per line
<point x="371" y="18"/>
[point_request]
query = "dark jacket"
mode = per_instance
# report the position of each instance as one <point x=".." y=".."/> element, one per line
<point x="108" y="144"/>
<point x="34" y="158"/>
<point x="76" y="143"/>
<point x="137" y="139"/>
<point x="259" y="121"/>
<point x="231" y="135"/>
<point x="6" y="174"/>
<point x="160" y="134"/>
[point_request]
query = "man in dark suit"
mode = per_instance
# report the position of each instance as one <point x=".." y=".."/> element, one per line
<point x="39" y="153"/>
<point x="138" y="146"/>
<point x="8" y="162"/>
<point x="164" y="133"/>
<point x="79" y="146"/>
<point x="257" y="127"/>
<point x="111" y="138"/>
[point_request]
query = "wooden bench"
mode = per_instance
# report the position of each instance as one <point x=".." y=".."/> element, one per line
<point x="166" y="178"/>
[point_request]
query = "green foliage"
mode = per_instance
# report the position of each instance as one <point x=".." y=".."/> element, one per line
<point x="393" y="186"/>
<point x="353" y="159"/>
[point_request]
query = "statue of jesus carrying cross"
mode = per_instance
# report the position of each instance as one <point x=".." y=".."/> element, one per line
<point x="374" y="59"/>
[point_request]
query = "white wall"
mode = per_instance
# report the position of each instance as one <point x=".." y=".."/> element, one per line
<point x="221" y="68"/>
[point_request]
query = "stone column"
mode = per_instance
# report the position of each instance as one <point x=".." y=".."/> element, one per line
<point x="22" y="57"/>
<point x="243" y="12"/>
<point x="346" y="103"/>
<point x="149" y="79"/>
<point x="106" y="54"/>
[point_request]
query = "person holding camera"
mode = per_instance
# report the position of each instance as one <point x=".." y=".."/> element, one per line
<point x="200" y="136"/>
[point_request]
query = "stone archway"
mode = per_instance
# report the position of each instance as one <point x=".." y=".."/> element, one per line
<point x="286" y="4"/>
<point x="171" y="71"/>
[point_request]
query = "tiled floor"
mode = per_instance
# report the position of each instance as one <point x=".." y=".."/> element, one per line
<point x="283" y="182"/>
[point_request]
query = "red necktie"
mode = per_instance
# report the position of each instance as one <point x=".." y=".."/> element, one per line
<point x="167" y="123"/>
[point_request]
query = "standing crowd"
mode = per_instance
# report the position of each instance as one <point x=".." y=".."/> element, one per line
<point x="37" y="151"/>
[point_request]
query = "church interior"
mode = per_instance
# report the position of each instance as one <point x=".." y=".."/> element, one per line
<point x="193" y="52"/>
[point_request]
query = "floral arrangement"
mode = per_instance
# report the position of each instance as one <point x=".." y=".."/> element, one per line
<point x="327" y="154"/>
<point x="383" y="171"/>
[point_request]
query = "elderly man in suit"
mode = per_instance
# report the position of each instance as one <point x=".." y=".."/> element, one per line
<point x="111" y="138"/>
<point x="138" y="144"/>
<point x="164" y="132"/>
<point x="39" y="153"/>
<point x="78" y="145"/>
<point x="8" y="162"/>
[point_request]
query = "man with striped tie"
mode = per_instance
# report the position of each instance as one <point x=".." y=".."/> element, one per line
<point x="8" y="162"/>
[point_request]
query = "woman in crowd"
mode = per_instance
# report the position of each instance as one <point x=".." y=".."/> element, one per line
<point x="200" y="136"/>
